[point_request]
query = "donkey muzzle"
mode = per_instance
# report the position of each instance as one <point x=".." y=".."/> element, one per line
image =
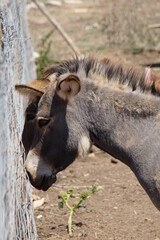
<point x="42" y="183"/>
<point x="40" y="173"/>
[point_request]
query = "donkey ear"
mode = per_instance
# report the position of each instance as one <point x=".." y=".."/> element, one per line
<point x="68" y="86"/>
<point x="33" y="88"/>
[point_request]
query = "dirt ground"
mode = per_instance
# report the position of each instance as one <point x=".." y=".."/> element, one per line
<point x="121" y="210"/>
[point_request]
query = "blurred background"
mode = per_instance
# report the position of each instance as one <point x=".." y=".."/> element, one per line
<point x="117" y="29"/>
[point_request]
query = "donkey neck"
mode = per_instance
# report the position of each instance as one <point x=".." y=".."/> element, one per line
<point x="118" y="121"/>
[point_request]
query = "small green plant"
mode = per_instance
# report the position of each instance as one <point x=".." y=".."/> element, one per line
<point x="83" y="196"/>
<point x="44" y="60"/>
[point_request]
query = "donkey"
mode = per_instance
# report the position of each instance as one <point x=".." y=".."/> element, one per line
<point x="68" y="112"/>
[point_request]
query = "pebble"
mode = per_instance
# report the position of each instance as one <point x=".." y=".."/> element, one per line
<point x="39" y="216"/>
<point x="38" y="203"/>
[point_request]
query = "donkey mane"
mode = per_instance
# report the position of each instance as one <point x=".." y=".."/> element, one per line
<point x="113" y="72"/>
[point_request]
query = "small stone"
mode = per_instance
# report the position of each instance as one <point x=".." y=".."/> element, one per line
<point x="39" y="216"/>
<point x="115" y="208"/>
<point x="38" y="203"/>
<point x="36" y="55"/>
<point x="91" y="155"/>
<point x="86" y="174"/>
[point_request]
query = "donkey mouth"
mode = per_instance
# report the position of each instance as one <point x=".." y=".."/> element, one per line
<point x="45" y="183"/>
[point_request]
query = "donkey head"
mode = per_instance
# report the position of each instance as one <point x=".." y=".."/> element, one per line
<point x="53" y="133"/>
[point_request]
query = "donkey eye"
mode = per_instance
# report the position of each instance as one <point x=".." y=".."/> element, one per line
<point x="30" y="116"/>
<point x="43" y="122"/>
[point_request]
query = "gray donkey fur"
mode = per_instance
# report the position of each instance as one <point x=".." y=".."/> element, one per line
<point x="72" y="112"/>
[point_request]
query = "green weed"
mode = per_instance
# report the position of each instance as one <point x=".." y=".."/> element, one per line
<point x="82" y="197"/>
<point x="44" y="59"/>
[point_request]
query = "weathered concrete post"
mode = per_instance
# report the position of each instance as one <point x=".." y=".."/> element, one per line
<point x="16" y="66"/>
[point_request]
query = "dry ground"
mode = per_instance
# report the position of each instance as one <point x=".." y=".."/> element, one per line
<point x="121" y="210"/>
